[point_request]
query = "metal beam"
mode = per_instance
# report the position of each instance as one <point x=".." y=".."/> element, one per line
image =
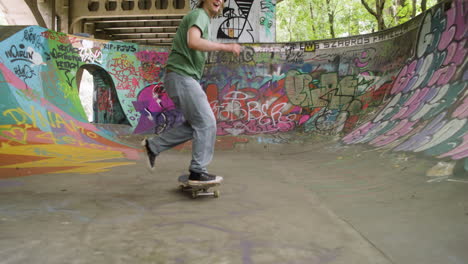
<point x="136" y="28"/>
<point x="143" y="33"/>
<point x="135" y="20"/>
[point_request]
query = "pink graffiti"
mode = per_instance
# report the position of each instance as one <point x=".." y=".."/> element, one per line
<point x="459" y="152"/>
<point x="406" y="74"/>
<point x="438" y="72"/>
<point x="359" y="133"/>
<point x="456" y="53"/>
<point x="455" y="28"/>
<point x="412" y="104"/>
<point x="423" y="136"/>
<point x="401" y="129"/>
<point x="443" y="75"/>
<point x="461" y="112"/>
<point x="253" y="111"/>
<point x="60" y="37"/>
<point x="155" y="99"/>
<point x="358" y="61"/>
<point x="152" y="56"/>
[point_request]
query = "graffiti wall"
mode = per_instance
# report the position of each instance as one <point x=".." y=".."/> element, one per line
<point x="427" y="110"/>
<point x="403" y="88"/>
<point x="245" y="21"/>
<point x="43" y="128"/>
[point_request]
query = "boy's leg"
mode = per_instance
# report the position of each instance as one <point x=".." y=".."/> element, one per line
<point x="197" y="112"/>
<point x="171" y="138"/>
<point x="174" y="136"/>
<point x="200" y="124"/>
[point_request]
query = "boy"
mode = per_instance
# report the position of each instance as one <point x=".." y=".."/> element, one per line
<point x="183" y="71"/>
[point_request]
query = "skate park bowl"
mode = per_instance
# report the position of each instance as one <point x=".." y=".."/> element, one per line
<point x="402" y="91"/>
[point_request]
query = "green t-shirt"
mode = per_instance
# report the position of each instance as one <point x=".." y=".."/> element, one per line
<point x="182" y="59"/>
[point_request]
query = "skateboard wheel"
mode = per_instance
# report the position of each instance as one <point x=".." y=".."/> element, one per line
<point x="216" y="194"/>
<point x="194" y="195"/>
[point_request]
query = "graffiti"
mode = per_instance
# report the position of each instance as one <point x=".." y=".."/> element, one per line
<point x="24" y="72"/>
<point x="157" y="111"/>
<point x="238" y="23"/>
<point x="65" y="56"/>
<point x="24" y="58"/>
<point x="57" y="36"/>
<point x="120" y="47"/>
<point x="293" y="56"/>
<point x="66" y="52"/>
<point x="32" y="151"/>
<point x="41" y="138"/>
<point x="373" y="89"/>
<point x="268" y="10"/>
<point x="152" y="56"/>
<point x="33" y="38"/>
<point x="364" y="40"/>
<point x="151" y="64"/>
<point x="253" y="111"/>
<point x="19" y="55"/>
<point x="90" y="54"/>
<point x="126" y="74"/>
<point x="327" y="92"/>
<point x="418" y="116"/>
<point x="56" y="90"/>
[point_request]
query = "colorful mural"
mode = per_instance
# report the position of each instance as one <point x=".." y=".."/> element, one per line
<point x="428" y="110"/>
<point x="403" y="89"/>
<point x="244" y="21"/>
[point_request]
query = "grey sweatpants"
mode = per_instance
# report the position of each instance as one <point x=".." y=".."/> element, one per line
<point x="200" y="124"/>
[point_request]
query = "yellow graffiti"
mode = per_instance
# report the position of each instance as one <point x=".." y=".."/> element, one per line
<point x="310" y="47"/>
<point x="80" y="160"/>
<point x="25" y="135"/>
<point x="35" y="118"/>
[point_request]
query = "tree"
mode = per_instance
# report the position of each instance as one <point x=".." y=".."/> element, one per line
<point x="331" y="18"/>
<point x="312" y="16"/>
<point x="377" y="13"/>
<point x="399" y="12"/>
<point x="423" y="5"/>
<point x="305" y="20"/>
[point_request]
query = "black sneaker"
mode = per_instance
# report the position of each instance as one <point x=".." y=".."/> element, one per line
<point x="203" y="178"/>
<point x="151" y="156"/>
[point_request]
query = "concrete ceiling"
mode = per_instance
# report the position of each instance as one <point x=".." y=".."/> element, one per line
<point x="143" y="30"/>
<point x="140" y="21"/>
<point x="150" y="22"/>
<point x="17" y="13"/>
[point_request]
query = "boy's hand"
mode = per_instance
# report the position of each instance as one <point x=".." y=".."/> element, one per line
<point x="235" y="48"/>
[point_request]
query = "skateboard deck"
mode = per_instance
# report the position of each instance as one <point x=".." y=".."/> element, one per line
<point x="202" y="189"/>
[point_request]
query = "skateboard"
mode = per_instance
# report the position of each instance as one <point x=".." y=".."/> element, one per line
<point x="198" y="189"/>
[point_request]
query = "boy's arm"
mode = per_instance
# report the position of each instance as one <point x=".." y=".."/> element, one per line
<point x="196" y="42"/>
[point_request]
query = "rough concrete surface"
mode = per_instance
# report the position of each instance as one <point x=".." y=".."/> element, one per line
<point x="300" y="200"/>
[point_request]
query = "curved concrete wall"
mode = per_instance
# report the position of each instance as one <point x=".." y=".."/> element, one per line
<point x="404" y="88"/>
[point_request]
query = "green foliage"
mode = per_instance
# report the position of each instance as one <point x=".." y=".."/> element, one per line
<point x="303" y="20"/>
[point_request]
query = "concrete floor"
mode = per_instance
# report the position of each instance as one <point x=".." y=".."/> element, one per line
<point x="289" y="199"/>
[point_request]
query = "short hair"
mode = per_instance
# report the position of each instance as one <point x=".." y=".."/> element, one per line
<point x="201" y="2"/>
